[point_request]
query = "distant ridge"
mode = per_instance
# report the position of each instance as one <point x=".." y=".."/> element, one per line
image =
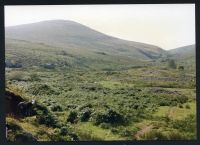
<point x="65" y="33"/>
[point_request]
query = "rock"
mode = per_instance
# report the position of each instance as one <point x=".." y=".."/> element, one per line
<point x="24" y="137"/>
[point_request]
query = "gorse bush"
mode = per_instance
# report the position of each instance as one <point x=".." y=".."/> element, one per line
<point x="56" y="108"/>
<point x="110" y="116"/>
<point x="187" y="125"/>
<point x="73" y="117"/>
<point x="85" y="115"/>
<point x="64" y="130"/>
<point x="48" y="120"/>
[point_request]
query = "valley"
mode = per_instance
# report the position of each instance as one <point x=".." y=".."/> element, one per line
<point x="90" y="86"/>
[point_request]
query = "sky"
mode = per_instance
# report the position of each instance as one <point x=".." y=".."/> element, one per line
<point x="165" y="25"/>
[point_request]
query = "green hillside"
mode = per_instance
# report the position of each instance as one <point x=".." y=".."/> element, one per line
<point x="90" y="86"/>
<point x="67" y="34"/>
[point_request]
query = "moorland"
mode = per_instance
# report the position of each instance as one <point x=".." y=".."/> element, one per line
<point x="91" y="86"/>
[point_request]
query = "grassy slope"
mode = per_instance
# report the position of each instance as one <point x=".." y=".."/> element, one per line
<point x="104" y="80"/>
<point x="67" y="34"/>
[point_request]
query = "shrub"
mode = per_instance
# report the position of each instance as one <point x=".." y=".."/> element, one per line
<point x="188" y="124"/>
<point x="187" y="106"/>
<point x="63" y="130"/>
<point x="55" y="136"/>
<point x="171" y="64"/>
<point x="73" y="116"/>
<point x="174" y="135"/>
<point x="181" y="67"/>
<point x="13" y="126"/>
<point x="48" y="119"/>
<point x="109" y="116"/>
<point x="105" y="125"/>
<point x="56" y="108"/>
<point x="180" y="106"/>
<point x="85" y="115"/>
<point x="74" y="136"/>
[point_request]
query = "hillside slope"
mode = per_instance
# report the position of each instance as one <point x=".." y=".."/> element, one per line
<point x="72" y="35"/>
<point x="185" y="56"/>
<point x="188" y="50"/>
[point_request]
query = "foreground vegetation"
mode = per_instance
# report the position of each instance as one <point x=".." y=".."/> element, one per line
<point x="139" y="103"/>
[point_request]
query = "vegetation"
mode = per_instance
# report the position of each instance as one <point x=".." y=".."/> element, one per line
<point x="98" y="91"/>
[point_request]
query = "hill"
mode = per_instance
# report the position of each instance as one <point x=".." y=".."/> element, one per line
<point x="74" y="36"/>
<point x="184" y="56"/>
<point x="188" y="50"/>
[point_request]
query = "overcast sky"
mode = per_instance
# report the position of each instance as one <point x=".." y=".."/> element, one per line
<point x="167" y="26"/>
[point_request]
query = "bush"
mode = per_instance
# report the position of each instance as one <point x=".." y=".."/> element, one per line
<point x="105" y="125"/>
<point x="73" y="116"/>
<point x="64" y="130"/>
<point x="171" y="64"/>
<point x="180" y="106"/>
<point x="85" y="115"/>
<point x="55" y="136"/>
<point x="13" y="126"/>
<point x="56" y="108"/>
<point x="109" y="116"/>
<point x="48" y="119"/>
<point x="174" y="135"/>
<point x="187" y="106"/>
<point x="181" y="67"/>
<point x="188" y="124"/>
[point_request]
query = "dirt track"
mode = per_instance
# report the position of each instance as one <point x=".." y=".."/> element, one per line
<point x="144" y="130"/>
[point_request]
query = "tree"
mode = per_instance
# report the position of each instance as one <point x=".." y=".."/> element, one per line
<point x="171" y="64"/>
<point x="181" y="67"/>
<point x="73" y="116"/>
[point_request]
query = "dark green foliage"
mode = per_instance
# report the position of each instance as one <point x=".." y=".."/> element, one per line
<point x="48" y="120"/>
<point x="181" y="67"/>
<point x="64" y="130"/>
<point x="56" y="108"/>
<point x="171" y="64"/>
<point x="85" y="115"/>
<point x="74" y="136"/>
<point x="56" y="136"/>
<point x="40" y="109"/>
<point x="73" y="116"/>
<point x="14" y="127"/>
<point x="41" y="89"/>
<point x="187" y="125"/>
<point x="180" y="106"/>
<point x="110" y="116"/>
<point x="187" y="106"/>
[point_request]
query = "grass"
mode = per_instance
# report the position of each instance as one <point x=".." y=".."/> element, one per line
<point x="176" y="113"/>
<point x="88" y="131"/>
